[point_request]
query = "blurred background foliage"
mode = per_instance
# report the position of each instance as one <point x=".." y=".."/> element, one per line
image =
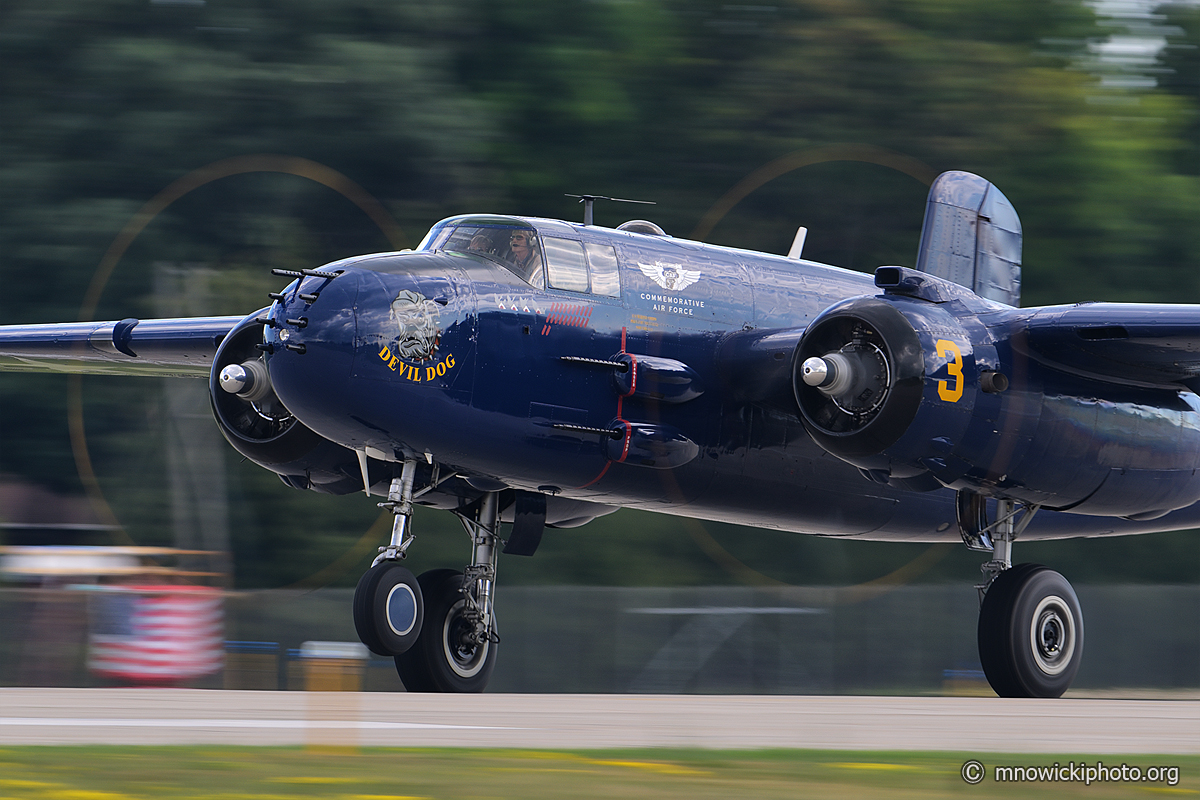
<point x="464" y="105"/>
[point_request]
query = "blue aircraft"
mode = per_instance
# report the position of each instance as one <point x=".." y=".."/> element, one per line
<point x="541" y="373"/>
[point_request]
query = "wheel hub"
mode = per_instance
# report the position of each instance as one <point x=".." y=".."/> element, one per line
<point x="1052" y="635"/>
<point x="467" y="653"/>
<point x="401" y="608"/>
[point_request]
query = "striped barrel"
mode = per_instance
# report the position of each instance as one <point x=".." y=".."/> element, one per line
<point x="156" y="634"/>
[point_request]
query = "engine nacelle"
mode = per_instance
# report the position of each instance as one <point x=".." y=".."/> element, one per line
<point x="259" y="426"/>
<point x="878" y="379"/>
<point x="922" y="388"/>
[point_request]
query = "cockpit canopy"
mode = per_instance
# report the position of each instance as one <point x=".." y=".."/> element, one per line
<point x="509" y="242"/>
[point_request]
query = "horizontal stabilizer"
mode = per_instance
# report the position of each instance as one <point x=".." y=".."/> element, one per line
<point x="1131" y="343"/>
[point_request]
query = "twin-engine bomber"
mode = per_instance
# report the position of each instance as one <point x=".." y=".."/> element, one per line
<point x="536" y="374"/>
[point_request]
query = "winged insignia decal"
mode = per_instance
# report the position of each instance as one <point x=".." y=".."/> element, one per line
<point x="670" y="276"/>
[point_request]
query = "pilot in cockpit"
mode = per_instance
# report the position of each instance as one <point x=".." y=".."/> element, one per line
<point x="523" y="245"/>
<point x="481" y="243"/>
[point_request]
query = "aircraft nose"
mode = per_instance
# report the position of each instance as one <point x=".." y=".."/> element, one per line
<point x="309" y="338"/>
<point x="345" y="349"/>
<point x="318" y="311"/>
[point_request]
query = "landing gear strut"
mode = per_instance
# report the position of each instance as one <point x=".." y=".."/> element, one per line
<point x="440" y="627"/>
<point x="456" y="651"/>
<point x="1030" y="622"/>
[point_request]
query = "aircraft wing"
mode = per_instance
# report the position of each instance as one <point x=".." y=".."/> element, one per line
<point x="1132" y="343"/>
<point x="175" y="347"/>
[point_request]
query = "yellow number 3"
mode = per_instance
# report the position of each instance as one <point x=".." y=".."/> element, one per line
<point x="945" y="391"/>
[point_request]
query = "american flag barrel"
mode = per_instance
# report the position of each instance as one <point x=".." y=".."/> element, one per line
<point x="156" y="634"/>
<point x="333" y="666"/>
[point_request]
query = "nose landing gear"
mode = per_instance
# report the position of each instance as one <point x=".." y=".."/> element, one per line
<point x="389" y="609"/>
<point x="1030" y="622"/>
<point x="388" y="604"/>
<point x="440" y="627"/>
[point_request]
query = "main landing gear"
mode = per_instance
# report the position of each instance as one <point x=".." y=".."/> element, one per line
<point x="440" y="627"/>
<point x="1030" y="623"/>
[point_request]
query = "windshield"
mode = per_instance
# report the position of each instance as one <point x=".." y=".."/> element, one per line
<point x="515" y="247"/>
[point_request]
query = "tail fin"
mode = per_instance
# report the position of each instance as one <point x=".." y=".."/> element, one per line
<point x="972" y="236"/>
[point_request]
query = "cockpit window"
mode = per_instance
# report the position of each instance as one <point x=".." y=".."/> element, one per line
<point x="436" y="238"/>
<point x="514" y="247"/>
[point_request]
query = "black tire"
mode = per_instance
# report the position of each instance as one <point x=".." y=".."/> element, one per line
<point x="1030" y="633"/>
<point x="388" y="609"/>
<point x="438" y="662"/>
<point x="994" y="616"/>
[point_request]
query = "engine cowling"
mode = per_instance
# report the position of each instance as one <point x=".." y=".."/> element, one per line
<point x="260" y="427"/>
<point x="882" y="382"/>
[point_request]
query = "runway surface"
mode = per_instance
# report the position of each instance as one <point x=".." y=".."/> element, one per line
<point x="189" y="716"/>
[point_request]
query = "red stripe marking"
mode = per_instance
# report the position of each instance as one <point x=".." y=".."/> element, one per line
<point x="620" y="408"/>
<point x="628" y="436"/>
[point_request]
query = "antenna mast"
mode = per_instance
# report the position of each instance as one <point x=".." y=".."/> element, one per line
<point x="589" y="201"/>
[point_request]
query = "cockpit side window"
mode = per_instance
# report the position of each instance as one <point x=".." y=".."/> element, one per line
<point x="566" y="266"/>
<point x="602" y="259"/>
<point x="514" y="247"/>
<point x="582" y="267"/>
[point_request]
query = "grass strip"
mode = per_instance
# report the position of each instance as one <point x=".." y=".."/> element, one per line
<point x="269" y="773"/>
